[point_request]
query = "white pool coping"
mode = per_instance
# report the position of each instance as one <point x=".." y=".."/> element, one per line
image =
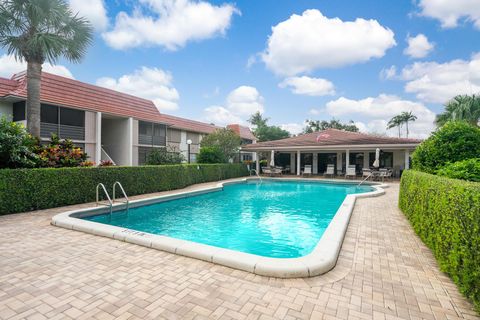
<point x="321" y="260"/>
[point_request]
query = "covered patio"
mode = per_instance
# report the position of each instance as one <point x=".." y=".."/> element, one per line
<point x="337" y="148"/>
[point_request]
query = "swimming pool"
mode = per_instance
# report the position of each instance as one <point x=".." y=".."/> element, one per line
<point x="281" y="227"/>
<point x="278" y="219"/>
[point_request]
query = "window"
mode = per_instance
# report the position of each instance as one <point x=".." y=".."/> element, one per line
<point x="72" y="117"/>
<point x="19" y="111"/>
<point x="49" y="114"/>
<point x="145" y="128"/>
<point x="152" y="133"/>
<point x="386" y="159"/>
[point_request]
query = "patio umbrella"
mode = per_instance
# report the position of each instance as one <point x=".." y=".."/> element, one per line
<point x="272" y="160"/>
<point x="376" y="163"/>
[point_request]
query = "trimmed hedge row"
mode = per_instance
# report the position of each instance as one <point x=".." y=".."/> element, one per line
<point x="32" y="189"/>
<point x="445" y="213"/>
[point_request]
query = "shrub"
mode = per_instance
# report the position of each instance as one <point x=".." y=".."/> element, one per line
<point x="16" y="146"/>
<point x="455" y="141"/>
<point x="445" y="213"/>
<point x="163" y="156"/>
<point x="465" y="170"/>
<point x="48" y="187"/>
<point x="61" y="153"/>
<point x="210" y="155"/>
<point x="106" y="163"/>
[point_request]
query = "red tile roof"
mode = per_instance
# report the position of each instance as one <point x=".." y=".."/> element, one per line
<point x="72" y="93"/>
<point x="331" y="137"/>
<point x="186" y="124"/>
<point x="243" y="132"/>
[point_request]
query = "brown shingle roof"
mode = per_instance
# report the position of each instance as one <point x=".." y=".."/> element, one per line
<point x="243" y="132"/>
<point x="331" y="137"/>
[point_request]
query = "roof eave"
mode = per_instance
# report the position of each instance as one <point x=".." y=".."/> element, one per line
<point x="332" y="147"/>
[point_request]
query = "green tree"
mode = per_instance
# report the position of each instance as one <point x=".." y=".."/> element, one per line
<point x="160" y="156"/>
<point x="16" y="146"/>
<point x="461" y="108"/>
<point x="263" y="131"/>
<point x="395" y="122"/>
<point x="210" y="155"/>
<point x="317" y="125"/>
<point x="36" y="31"/>
<point x="227" y="141"/>
<point x="407" y="117"/>
<point x="455" y="141"/>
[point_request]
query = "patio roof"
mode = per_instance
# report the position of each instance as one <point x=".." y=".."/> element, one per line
<point x="333" y="139"/>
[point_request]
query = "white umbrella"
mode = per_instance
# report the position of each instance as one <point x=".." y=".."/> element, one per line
<point x="376" y="163"/>
<point x="272" y="160"/>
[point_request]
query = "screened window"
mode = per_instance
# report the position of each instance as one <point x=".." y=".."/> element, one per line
<point x="19" y="111"/>
<point x="152" y="133"/>
<point x="72" y="117"/>
<point x="49" y="114"/>
<point x="65" y="122"/>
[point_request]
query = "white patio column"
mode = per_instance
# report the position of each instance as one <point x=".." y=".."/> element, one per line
<point x="257" y="163"/>
<point x="298" y="162"/>
<point x="339" y="161"/>
<point x="315" y="163"/>
<point x="129" y="142"/>
<point x="366" y="159"/>
<point x="407" y="159"/>
<point x="292" y="162"/>
<point x="347" y="160"/>
<point x="98" y="138"/>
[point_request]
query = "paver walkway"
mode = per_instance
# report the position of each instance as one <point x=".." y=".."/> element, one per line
<point x="384" y="272"/>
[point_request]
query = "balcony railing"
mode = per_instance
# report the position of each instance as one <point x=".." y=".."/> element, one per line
<point x="63" y="131"/>
<point x="152" y="140"/>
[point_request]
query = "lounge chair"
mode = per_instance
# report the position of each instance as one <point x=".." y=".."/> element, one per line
<point x="330" y="171"/>
<point x="266" y="170"/>
<point x="351" y="172"/>
<point x="307" y="170"/>
<point x="385" y="174"/>
<point x="366" y="173"/>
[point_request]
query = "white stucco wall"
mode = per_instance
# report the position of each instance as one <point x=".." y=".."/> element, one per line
<point x="6" y="109"/>
<point x="116" y="140"/>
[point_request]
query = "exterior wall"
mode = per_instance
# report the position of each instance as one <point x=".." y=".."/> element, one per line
<point x="196" y="138"/>
<point x="116" y="140"/>
<point x="90" y="134"/>
<point x="6" y="109"/>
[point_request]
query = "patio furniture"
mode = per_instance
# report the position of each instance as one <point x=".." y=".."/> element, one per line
<point x="366" y="173"/>
<point x="307" y="170"/>
<point x="271" y="171"/>
<point x="351" y="172"/>
<point x="330" y="171"/>
<point x="385" y="174"/>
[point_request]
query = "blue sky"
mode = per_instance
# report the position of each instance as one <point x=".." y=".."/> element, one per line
<point x="219" y="61"/>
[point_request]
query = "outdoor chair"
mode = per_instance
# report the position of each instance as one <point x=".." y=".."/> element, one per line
<point x="307" y="170"/>
<point x="330" y="171"/>
<point x="277" y="171"/>
<point x="366" y="172"/>
<point x="385" y="174"/>
<point x="351" y="172"/>
<point x="266" y="170"/>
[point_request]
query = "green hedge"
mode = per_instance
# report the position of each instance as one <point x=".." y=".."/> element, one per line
<point x="32" y="189"/>
<point x="445" y="213"/>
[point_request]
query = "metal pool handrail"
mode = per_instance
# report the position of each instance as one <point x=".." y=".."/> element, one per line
<point x="256" y="173"/>
<point x="110" y="203"/>
<point x="371" y="173"/>
<point x="123" y="191"/>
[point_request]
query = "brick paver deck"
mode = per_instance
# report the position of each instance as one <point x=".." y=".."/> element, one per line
<point x="384" y="272"/>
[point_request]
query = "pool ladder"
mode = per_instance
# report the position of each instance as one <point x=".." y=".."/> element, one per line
<point x="256" y="173"/>
<point x="110" y="201"/>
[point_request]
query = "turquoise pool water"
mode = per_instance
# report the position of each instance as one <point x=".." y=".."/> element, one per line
<point x="279" y="219"/>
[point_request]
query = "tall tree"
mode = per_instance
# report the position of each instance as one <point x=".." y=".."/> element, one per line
<point x="407" y="117"/>
<point x="461" y="108"/>
<point x="396" y="122"/>
<point x="317" y="125"/>
<point x="263" y="131"/>
<point x="227" y="141"/>
<point x="36" y="31"/>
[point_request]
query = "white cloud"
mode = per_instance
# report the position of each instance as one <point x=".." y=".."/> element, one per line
<point x="376" y="111"/>
<point x="418" y="46"/>
<point x="309" y="41"/>
<point x="450" y="12"/>
<point x="388" y="73"/>
<point x="293" y="128"/>
<point x="241" y="103"/>
<point x="439" y="82"/>
<point x="169" y="23"/>
<point x="315" y="111"/>
<point x="93" y="10"/>
<point x="9" y="66"/>
<point x="149" y="83"/>
<point x="308" y="86"/>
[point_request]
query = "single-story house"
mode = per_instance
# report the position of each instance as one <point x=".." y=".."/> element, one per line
<point x="337" y="147"/>
<point x="107" y="124"/>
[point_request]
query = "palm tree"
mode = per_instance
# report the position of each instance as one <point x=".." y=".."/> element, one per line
<point x="36" y="31"/>
<point x="461" y="108"/>
<point x="396" y="121"/>
<point x="406" y="117"/>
